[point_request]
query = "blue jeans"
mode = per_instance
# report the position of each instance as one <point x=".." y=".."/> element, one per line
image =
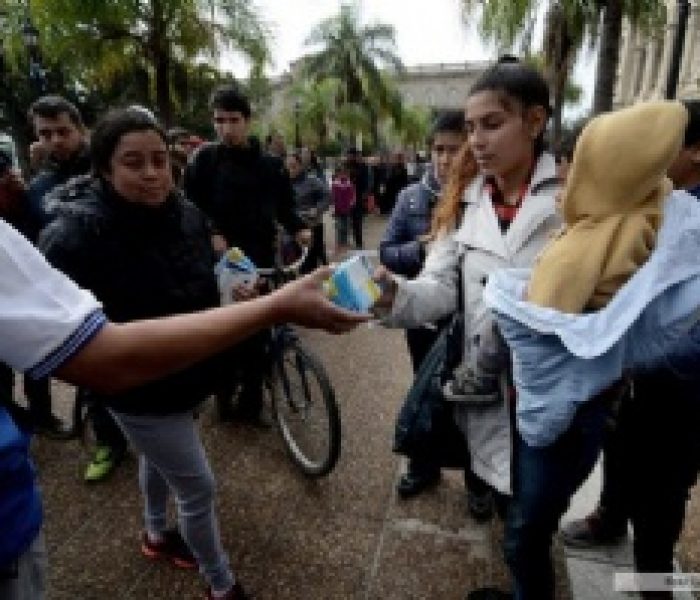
<point x="544" y="480"/>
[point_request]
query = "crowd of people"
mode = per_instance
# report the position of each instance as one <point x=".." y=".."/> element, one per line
<point x="123" y="226"/>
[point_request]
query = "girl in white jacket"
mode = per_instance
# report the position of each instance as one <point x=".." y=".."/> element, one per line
<point x="498" y="211"/>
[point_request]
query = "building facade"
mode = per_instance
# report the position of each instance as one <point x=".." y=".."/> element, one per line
<point x="646" y="57"/>
<point x="432" y="86"/>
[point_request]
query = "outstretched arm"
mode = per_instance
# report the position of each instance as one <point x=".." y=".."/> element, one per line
<point x="122" y="356"/>
<point x="48" y="324"/>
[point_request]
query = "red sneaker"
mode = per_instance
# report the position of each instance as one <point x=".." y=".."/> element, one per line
<point x="172" y="548"/>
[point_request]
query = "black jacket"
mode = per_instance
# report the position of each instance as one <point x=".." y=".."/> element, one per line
<point x="50" y="176"/>
<point x="140" y="262"/>
<point x="243" y="192"/>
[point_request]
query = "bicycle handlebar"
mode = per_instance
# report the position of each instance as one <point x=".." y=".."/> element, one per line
<point x="291" y="269"/>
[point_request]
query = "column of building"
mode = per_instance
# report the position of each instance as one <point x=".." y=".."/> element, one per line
<point x="626" y="66"/>
<point x="689" y="78"/>
<point x="651" y="66"/>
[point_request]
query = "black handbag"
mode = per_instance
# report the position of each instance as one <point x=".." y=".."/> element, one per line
<point x="425" y="427"/>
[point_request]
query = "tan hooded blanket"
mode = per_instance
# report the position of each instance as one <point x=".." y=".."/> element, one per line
<point x="612" y="206"/>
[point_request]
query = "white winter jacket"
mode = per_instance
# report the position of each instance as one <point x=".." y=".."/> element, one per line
<point x="483" y="249"/>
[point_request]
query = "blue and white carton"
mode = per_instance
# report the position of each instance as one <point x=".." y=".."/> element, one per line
<point x="234" y="269"/>
<point x="351" y="286"/>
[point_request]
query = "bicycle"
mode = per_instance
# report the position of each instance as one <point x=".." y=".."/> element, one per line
<point x="299" y="390"/>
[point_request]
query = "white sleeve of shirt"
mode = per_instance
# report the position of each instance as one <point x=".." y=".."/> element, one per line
<point x="45" y="318"/>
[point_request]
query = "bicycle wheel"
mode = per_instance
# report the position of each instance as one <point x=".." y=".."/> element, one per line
<point x="305" y="410"/>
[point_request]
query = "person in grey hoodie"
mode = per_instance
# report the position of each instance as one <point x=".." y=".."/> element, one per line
<point x="312" y="198"/>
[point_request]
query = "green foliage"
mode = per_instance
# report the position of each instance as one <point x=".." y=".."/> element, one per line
<point x="356" y="56"/>
<point x="509" y="23"/>
<point x="142" y="49"/>
<point x="414" y="128"/>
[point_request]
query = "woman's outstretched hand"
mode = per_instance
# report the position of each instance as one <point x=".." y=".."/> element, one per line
<point x="305" y="303"/>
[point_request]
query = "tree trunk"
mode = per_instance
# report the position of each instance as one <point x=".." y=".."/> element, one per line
<point x="557" y="110"/>
<point x="608" y="57"/>
<point x="162" y="65"/>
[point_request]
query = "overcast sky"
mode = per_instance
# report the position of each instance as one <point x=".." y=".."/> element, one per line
<point x="429" y="31"/>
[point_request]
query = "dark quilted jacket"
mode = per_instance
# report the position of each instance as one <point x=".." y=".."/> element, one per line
<point x="140" y="262"/>
<point x="399" y="250"/>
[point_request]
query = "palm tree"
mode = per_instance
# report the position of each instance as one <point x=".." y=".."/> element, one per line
<point x="568" y="24"/>
<point x="645" y="13"/>
<point x="104" y="39"/>
<point x="317" y="105"/>
<point x="565" y="30"/>
<point x="355" y="54"/>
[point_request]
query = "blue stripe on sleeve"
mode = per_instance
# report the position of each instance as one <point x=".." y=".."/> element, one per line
<point x="95" y="321"/>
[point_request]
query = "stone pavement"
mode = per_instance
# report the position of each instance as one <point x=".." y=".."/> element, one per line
<point x="345" y="536"/>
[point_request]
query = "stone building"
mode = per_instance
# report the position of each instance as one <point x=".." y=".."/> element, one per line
<point x="645" y="59"/>
<point x="433" y="86"/>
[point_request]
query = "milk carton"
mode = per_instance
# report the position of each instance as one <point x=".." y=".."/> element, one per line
<point x="351" y="285"/>
<point x="234" y="269"/>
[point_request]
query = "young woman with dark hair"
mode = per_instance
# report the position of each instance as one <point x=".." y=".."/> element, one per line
<point x="144" y="251"/>
<point x="497" y="211"/>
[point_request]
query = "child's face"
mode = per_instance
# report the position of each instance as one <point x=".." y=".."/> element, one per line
<point x="445" y="146"/>
<point x="686" y="168"/>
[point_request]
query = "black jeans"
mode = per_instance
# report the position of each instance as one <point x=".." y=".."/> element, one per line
<point x="248" y="362"/>
<point x="38" y="393"/>
<point x="420" y="340"/>
<point x="651" y="462"/>
<point x="105" y="428"/>
<point x="357" y="216"/>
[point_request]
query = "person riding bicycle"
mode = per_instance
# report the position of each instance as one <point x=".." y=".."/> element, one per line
<point x="243" y="192"/>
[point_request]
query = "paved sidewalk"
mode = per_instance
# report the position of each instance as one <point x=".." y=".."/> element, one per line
<point x="346" y="536"/>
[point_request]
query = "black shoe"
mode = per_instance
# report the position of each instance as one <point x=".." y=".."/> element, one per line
<point x="258" y="419"/>
<point x="480" y="506"/>
<point x="489" y="593"/>
<point x="594" y="530"/>
<point x="235" y="593"/>
<point x="52" y="427"/>
<point x="411" y="484"/>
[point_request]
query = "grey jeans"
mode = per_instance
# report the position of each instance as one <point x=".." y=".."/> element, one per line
<point x="30" y="583"/>
<point x="172" y="458"/>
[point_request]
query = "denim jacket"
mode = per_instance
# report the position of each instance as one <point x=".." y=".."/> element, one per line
<point x="562" y="360"/>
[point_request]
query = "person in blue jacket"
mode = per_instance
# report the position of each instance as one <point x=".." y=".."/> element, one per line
<point x="402" y="250"/>
<point x="647" y="483"/>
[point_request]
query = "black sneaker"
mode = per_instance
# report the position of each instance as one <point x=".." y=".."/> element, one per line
<point x="172" y="548"/>
<point x="480" y="506"/>
<point x="594" y="530"/>
<point x="489" y="593"/>
<point x="235" y="593"/>
<point x="413" y="483"/>
<point x="52" y="427"/>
